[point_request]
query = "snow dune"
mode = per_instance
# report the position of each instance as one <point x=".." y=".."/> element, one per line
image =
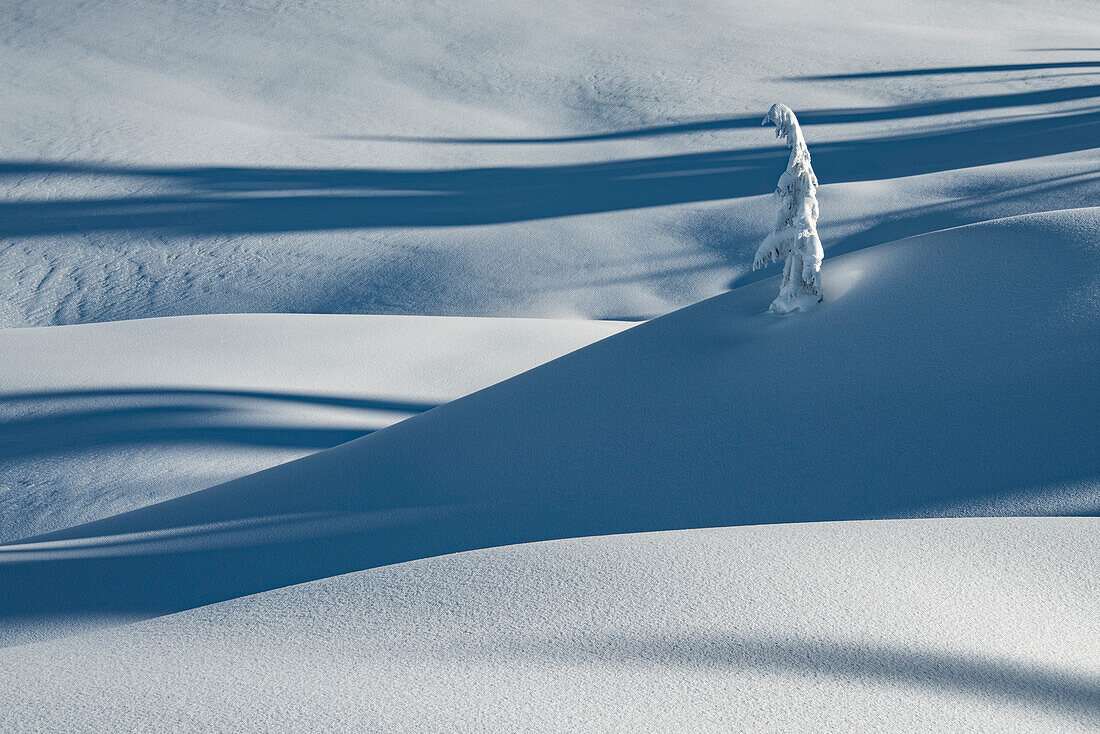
<point x="98" y="419"/>
<point x="948" y="374"/>
<point x="977" y="625"/>
<point x="644" y="534"/>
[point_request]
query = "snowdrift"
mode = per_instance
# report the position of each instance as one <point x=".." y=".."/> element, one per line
<point x="951" y="373"/>
<point x="99" y="419"/>
<point x="914" y="625"/>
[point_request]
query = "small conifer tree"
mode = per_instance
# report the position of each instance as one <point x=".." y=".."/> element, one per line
<point x="795" y="236"/>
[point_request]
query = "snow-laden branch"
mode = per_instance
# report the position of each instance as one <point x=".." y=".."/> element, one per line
<point x="795" y="235"/>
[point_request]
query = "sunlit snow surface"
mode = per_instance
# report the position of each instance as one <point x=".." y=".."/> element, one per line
<point x="916" y="625"/>
<point x="652" y="533"/>
<point x="506" y="159"/>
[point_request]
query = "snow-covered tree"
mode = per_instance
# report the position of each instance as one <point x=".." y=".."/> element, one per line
<point x="795" y="236"/>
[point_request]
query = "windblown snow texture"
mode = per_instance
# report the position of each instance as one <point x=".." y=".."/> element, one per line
<point x="496" y="158"/>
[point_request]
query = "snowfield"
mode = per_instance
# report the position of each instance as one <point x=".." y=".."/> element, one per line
<point x="914" y="625"/>
<point x="328" y="407"/>
<point x="495" y="158"/>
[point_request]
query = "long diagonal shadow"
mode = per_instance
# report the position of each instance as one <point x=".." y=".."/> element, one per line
<point x="806" y="117"/>
<point x="1003" y="681"/>
<point x="936" y="71"/>
<point x="74" y="420"/>
<point x="339" y="401"/>
<point x="257" y="200"/>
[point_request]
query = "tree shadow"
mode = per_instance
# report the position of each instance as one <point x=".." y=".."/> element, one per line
<point x="72" y="421"/>
<point x="839" y="239"/>
<point x="338" y="401"/>
<point x="259" y="200"/>
<point x="1002" y="681"/>
<point x="942" y="215"/>
<point x="805" y="117"/>
<point x="950" y="70"/>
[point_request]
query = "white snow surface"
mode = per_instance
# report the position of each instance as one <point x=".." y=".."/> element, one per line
<point x="98" y="419"/>
<point x="654" y="532"/>
<point x="976" y="625"/>
<point x="496" y="158"/>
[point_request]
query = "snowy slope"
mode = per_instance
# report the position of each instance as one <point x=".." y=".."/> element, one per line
<point x="951" y="373"/>
<point x="691" y="525"/>
<point x="918" y="625"/>
<point x="103" y="418"/>
<point x="500" y="158"/>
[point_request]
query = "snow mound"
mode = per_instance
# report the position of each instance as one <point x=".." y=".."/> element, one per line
<point x="102" y="418"/>
<point x="826" y="627"/>
<point x="954" y="373"/>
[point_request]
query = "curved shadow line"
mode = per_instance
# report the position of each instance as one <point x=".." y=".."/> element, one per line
<point x="169" y="422"/>
<point x="290" y="397"/>
<point x="972" y="675"/>
<point x="484" y="196"/>
<point x="807" y="117"/>
<point x="948" y="70"/>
